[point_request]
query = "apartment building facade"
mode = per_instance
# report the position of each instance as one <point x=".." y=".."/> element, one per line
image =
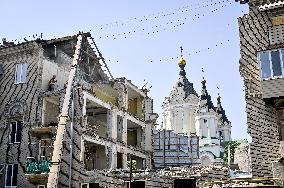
<point x="109" y="122"/>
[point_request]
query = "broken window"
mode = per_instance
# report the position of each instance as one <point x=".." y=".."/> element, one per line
<point x="15" y="131"/>
<point x="11" y="176"/>
<point x="21" y="73"/>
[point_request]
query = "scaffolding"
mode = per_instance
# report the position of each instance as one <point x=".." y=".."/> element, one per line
<point x="173" y="150"/>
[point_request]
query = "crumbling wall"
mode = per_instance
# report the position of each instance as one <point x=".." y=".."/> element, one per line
<point x="261" y="118"/>
<point x="78" y="172"/>
<point x="242" y="157"/>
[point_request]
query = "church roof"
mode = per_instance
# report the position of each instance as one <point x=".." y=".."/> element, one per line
<point x="221" y="111"/>
<point x="206" y="97"/>
<point x="183" y="82"/>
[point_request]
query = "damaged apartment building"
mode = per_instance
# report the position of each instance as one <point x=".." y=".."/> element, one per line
<point x="262" y="68"/>
<point x="64" y="121"/>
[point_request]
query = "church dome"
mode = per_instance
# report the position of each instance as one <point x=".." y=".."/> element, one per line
<point x="181" y="61"/>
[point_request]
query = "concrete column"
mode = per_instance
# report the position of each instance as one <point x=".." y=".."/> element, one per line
<point x="113" y="123"/>
<point x="124" y="159"/>
<point x="113" y="157"/>
<point x="124" y="131"/>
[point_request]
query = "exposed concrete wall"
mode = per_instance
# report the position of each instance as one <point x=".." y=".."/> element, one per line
<point x="51" y="68"/>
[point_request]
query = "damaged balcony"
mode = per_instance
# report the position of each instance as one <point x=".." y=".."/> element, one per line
<point x="95" y="157"/>
<point x="49" y="123"/>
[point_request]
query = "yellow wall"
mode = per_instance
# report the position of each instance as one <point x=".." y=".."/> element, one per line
<point x="136" y="107"/>
<point x="104" y="97"/>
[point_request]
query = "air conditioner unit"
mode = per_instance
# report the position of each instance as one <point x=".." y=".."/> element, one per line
<point x="41" y="186"/>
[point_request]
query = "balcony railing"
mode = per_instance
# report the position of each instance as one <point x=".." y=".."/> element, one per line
<point x="37" y="167"/>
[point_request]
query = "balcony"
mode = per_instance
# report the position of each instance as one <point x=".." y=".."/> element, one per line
<point x="39" y="130"/>
<point x="272" y="73"/>
<point x="37" y="171"/>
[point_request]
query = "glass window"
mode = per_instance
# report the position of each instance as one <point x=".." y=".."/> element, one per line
<point x="15" y="132"/>
<point x="265" y="65"/>
<point x="276" y="63"/>
<point x="11" y="175"/>
<point x="21" y="73"/>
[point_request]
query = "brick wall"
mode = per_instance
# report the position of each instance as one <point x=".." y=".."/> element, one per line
<point x="261" y="118"/>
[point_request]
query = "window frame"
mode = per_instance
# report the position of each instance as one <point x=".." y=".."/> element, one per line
<point x="11" y="177"/>
<point x="40" y="156"/>
<point x="15" y="141"/>
<point x="270" y="63"/>
<point x="19" y="68"/>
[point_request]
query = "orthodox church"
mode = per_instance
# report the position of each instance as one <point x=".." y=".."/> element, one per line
<point x="187" y="113"/>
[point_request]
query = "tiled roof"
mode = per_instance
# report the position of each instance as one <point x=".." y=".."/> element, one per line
<point x="205" y="96"/>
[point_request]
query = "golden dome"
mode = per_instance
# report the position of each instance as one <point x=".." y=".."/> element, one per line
<point x="181" y="61"/>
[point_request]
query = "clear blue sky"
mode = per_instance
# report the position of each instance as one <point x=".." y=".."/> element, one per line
<point x="138" y="56"/>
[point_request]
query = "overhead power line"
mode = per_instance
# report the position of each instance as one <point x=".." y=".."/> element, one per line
<point x="169" y="24"/>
